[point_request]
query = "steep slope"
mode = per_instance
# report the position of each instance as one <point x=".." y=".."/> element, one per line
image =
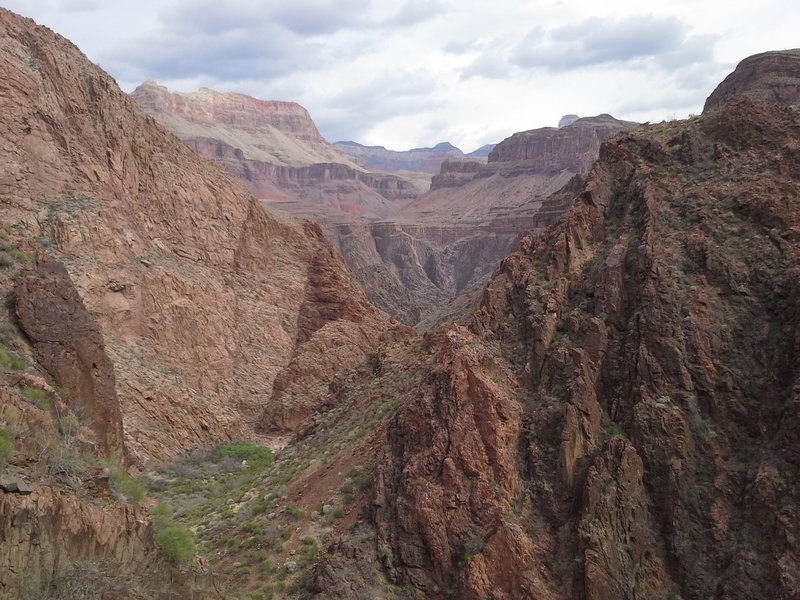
<point x="619" y="419"/>
<point x="276" y="150"/>
<point x="177" y="299"/>
<point x="770" y="76"/>
<point x="450" y="240"/>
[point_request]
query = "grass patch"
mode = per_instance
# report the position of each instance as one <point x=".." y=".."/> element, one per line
<point x="9" y="361"/>
<point x="37" y="397"/>
<point x="124" y="486"/>
<point x="6" y="445"/>
<point x="256" y="456"/>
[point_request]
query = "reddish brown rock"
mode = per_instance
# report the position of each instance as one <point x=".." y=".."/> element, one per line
<point x="771" y="76"/>
<point x="68" y="343"/>
<point x="196" y="290"/>
<point x="641" y="361"/>
<point x="275" y="149"/>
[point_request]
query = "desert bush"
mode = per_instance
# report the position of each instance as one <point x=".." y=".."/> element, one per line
<point x="37" y="397"/>
<point x="124" y="486"/>
<point x="6" y="445"/>
<point x="178" y="544"/>
<point x="255" y="455"/>
<point x="9" y="361"/>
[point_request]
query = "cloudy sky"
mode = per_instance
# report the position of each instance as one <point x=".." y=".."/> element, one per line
<point x="410" y="73"/>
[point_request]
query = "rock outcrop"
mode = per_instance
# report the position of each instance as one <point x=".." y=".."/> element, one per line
<point x="619" y="418"/>
<point x="572" y="146"/>
<point x="771" y="76"/>
<point x="201" y="298"/>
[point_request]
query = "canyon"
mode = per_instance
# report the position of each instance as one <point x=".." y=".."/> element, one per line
<point x="613" y="417"/>
<point x="412" y="251"/>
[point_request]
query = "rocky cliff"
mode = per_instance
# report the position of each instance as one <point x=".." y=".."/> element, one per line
<point x="618" y="419"/>
<point x="177" y="299"/>
<point x="276" y="150"/>
<point x="449" y="240"/>
<point x="770" y="76"/>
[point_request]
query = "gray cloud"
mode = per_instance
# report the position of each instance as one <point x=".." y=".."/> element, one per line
<point x="360" y="106"/>
<point x="491" y="64"/>
<point x="303" y="17"/>
<point x="597" y="41"/>
<point x="414" y="12"/>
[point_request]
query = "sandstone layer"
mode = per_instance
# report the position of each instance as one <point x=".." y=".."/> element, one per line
<point x="276" y="150"/>
<point x="770" y="76"/>
<point x="619" y="418"/>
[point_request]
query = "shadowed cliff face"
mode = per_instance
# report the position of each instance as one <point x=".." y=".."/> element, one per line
<point x="619" y="419"/>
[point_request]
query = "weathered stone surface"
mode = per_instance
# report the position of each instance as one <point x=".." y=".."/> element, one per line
<point x="771" y="76"/>
<point x="14" y="485"/>
<point x="275" y="149"/>
<point x="68" y="343"/>
<point x="196" y="290"/>
<point x="620" y="421"/>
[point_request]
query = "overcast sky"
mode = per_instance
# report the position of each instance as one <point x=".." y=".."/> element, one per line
<point x="410" y="73"/>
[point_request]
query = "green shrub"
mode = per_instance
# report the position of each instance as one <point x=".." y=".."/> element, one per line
<point x="178" y="544"/>
<point x="293" y="511"/>
<point x="255" y="455"/>
<point x="125" y="486"/>
<point x="6" y="445"/>
<point x="9" y="361"/>
<point x="68" y="426"/>
<point x="37" y="397"/>
<point x="17" y="254"/>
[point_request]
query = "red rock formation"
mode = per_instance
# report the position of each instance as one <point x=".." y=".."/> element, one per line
<point x="449" y="240"/>
<point x="196" y="290"/>
<point x="770" y="76"/>
<point x="276" y="150"/>
<point x="551" y="150"/>
<point x="621" y="420"/>
<point x="68" y="343"/>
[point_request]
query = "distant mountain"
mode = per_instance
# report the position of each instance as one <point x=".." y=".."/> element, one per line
<point x="422" y="160"/>
<point x="482" y="152"/>
<point x="276" y="150"/>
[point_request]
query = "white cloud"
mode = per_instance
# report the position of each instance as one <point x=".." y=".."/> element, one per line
<point x="400" y="73"/>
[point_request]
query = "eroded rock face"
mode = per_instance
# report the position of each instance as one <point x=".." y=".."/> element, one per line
<point x="274" y="148"/>
<point x="573" y="146"/>
<point x="771" y="76"/>
<point x="69" y="344"/>
<point x="620" y="420"/>
<point x="448" y="241"/>
<point x="196" y="290"/>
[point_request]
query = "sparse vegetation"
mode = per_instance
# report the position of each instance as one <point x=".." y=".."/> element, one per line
<point x="37" y="397"/>
<point x="255" y="456"/>
<point x="177" y="543"/>
<point x="6" y="445"/>
<point x="126" y="488"/>
<point x="9" y="361"/>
